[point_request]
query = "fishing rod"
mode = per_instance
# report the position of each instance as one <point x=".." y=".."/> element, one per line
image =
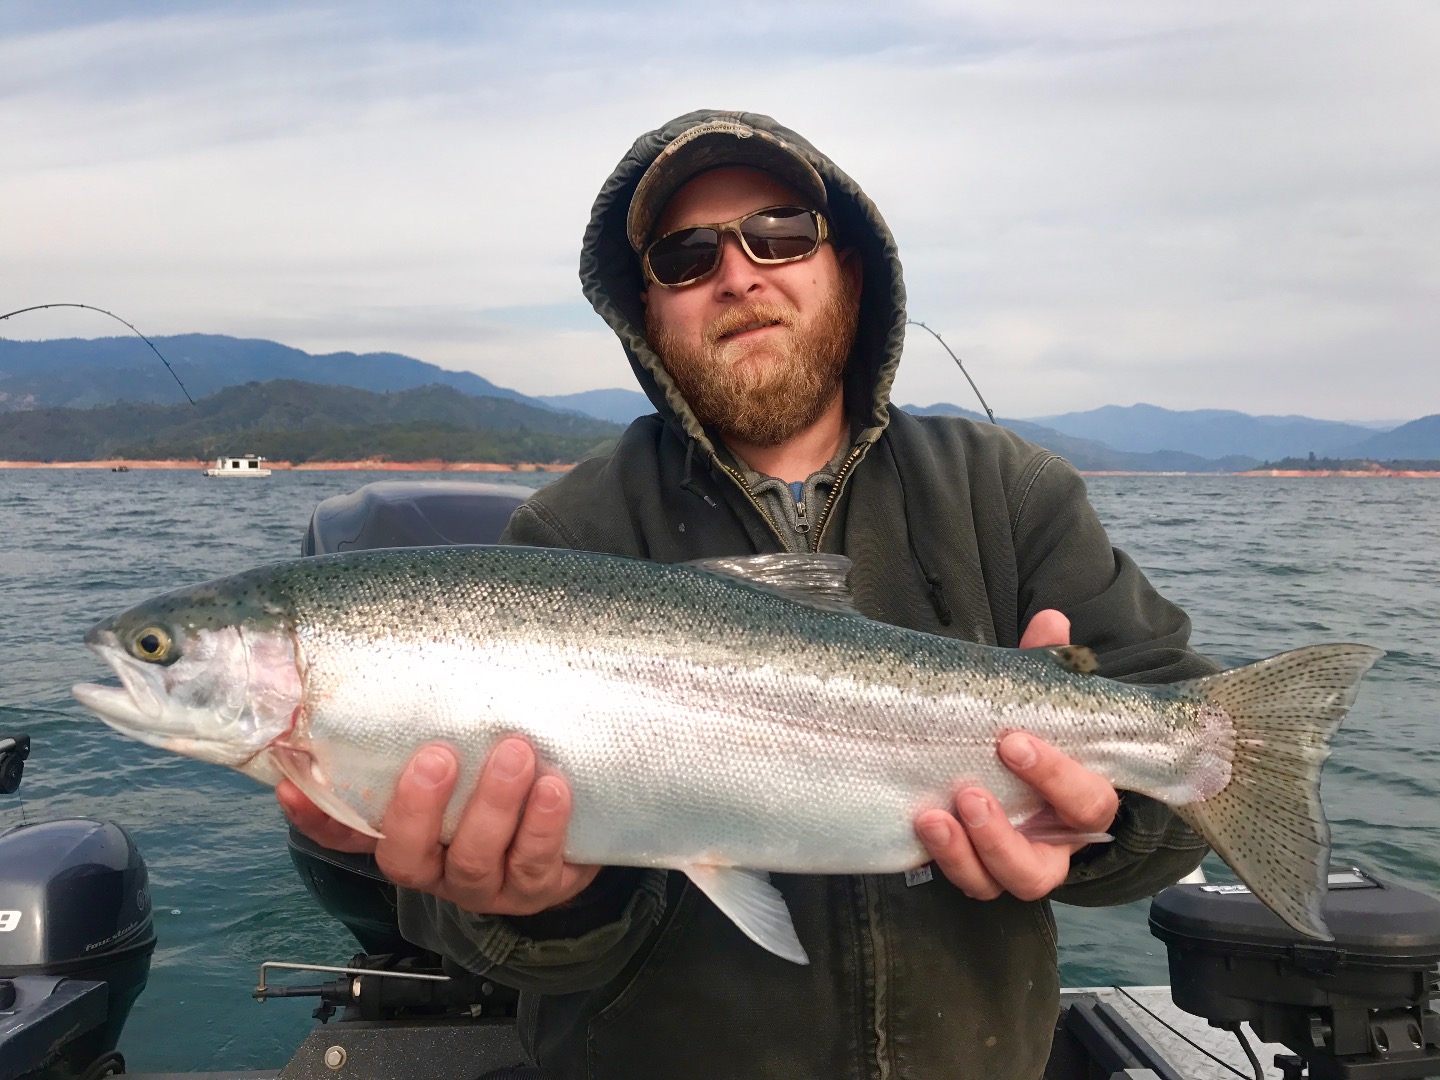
<point x="102" y="311"/>
<point x="916" y="322"/>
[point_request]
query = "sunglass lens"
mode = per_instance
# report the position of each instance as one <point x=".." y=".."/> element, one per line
<point x="784" y="233"/>
<point x="684" y="255"/>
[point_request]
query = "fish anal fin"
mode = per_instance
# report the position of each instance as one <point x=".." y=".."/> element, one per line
<point x="754" y="905"/>
<point x="1076" y="658"/>
<point x="819" y="580"/>
<point x="299" y="767"/>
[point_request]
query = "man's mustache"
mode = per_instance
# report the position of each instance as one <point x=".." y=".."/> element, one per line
<point x="748" y="317"/>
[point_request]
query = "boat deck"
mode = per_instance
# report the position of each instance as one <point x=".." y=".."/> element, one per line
<point x="1188" y="1043"/>
<point x="1189" y="1046"/>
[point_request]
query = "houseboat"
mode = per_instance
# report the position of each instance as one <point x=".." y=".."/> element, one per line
<point x="243" y="465"/>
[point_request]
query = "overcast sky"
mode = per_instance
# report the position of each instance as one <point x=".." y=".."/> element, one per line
<point x="1197" y="205"/>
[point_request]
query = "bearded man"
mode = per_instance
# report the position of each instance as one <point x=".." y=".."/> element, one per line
<point x="758" y="295"/>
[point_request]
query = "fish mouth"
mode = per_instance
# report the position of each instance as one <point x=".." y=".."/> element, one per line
<point x="115" y="706"/>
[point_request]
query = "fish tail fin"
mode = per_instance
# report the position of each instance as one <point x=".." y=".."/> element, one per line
<point x="1267" y="822"/>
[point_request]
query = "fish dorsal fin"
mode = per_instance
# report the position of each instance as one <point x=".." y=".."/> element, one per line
<point x="1076" y="658"/>
<point x="753" y="904"/>
<point x="821" y="581"/>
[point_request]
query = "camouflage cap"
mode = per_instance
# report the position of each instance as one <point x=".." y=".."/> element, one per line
<point x="709" y="146"/>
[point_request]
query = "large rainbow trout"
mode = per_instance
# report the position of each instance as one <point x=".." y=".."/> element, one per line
<point x="722" y="718"/>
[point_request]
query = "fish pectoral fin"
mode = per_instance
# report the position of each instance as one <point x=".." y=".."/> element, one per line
<point x="299" y="767"/>
<point x="1045" y="827"/>
<point x="1076" y="658"/>
<point x="754" y="905"/>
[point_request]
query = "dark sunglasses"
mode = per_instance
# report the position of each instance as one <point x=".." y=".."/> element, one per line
<point x="777" y="234"/>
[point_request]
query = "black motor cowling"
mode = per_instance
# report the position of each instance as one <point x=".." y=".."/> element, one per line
<point x="412" y="513"/>
<point x="1359" y="1007"/>
<point x="76" y="936"/>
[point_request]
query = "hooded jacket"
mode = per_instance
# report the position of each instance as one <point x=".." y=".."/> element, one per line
<point x="953" y="528"/>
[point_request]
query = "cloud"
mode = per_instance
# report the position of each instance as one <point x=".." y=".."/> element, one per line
<point x="1194" y="205"/>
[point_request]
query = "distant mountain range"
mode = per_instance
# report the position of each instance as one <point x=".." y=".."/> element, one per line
<point x="1148" y="438"/>
<point x="1209" y="433"/>
<point x="617" y="406"/>
<point x="81" y="373"/>
<point x="301" y="421"/>
<point x="1094" y="456"/>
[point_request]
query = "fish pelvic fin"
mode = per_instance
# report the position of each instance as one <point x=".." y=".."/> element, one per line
<point x="1267" y="822"/>
<point x="754" y="905"/>
<point x="300" y="768"/>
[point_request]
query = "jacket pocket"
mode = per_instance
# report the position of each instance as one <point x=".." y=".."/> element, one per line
<point x="527" y="1022"/>
<point x="1044" y="918"/>
<point x="600" y="1043"/>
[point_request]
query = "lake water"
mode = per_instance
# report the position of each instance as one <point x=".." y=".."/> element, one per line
<point x="1260" y="564"/>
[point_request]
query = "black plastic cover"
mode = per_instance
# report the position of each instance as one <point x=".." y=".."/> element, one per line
<point x="46" y="1018"/>
<point x="78" y="896"/>
<point x="352" y="889"/>
<point x="412" y="513"/>
<point x="1360" y="1007"/>
<point x="1375" y="922"/>
<point x="14" y="749"/>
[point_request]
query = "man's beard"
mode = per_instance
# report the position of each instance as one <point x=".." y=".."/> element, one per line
<point x="765" y="392"/>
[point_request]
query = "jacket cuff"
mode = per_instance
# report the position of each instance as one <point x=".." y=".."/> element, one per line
<point x="1152" y="849"/>
<point x="559" y="953"/>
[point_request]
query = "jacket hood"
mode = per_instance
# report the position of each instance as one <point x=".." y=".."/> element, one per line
<point x="612" y="281"/>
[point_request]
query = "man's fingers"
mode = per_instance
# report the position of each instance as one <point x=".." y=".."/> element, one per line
<point x="487" y="827"/>
<point x="411" y="853"/>
<point x="318" y="825"/>
<point x="1029" y="871"/>
<point x="536" y="863"/>
<point x="955" y="856"/>
<point x="1083" y="800"/>
<point x="575" y="878"/>
<point x="1047" y="628"/>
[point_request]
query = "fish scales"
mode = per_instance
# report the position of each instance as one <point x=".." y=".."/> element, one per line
<point x="727" y="714"/>
<point x="744" y="738"/>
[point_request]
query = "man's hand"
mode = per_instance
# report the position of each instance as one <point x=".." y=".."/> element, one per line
<point x="506" y="857"/>
<point x="986" y="856"/>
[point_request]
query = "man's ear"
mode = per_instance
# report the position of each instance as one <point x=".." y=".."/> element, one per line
<point x="853" y="270"/>
<point x="645" y="297"/>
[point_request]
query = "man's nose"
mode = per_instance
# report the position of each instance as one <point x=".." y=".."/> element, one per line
<point x="736" y="275"/>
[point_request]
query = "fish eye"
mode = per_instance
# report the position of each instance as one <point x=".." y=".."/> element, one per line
<point x="152" y="643"/>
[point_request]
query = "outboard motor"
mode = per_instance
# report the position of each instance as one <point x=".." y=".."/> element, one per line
<point x="1362" y="1006"/>
<point x="76" y="936"/>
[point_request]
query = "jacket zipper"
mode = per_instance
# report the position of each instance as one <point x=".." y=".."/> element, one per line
<point x="740" y="482"/>
<point x="835" y="489"/>
<point x="818" y="533"/>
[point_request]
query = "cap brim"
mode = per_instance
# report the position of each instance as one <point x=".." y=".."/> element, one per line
<point x="709" y="146"/>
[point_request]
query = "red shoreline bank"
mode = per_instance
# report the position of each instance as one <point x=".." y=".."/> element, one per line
<point x="367" y="464"/>
<point x="1403" y="474"/>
